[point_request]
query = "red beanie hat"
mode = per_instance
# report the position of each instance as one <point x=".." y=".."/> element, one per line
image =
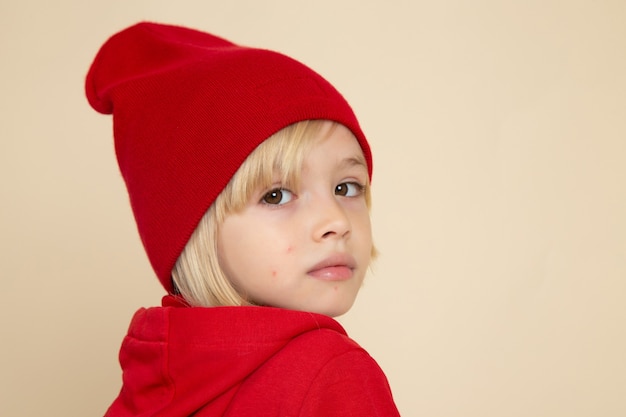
<point x="188" y="108"/>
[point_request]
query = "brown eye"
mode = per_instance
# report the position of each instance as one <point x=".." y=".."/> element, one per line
<point x="348" y="189"/>
<point x="277" y="197"/>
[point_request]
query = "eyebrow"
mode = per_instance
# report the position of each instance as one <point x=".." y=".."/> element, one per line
<point x="357" y="160"/>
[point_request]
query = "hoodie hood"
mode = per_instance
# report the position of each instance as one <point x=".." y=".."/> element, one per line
<point x="177" y="359"/>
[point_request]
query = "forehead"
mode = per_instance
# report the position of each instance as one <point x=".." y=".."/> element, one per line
<point x="336" y="146"/>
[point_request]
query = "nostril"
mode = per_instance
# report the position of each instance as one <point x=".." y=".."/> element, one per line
<point x="332" y="233"/>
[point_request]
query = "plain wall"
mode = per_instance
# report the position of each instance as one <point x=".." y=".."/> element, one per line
<point x="499" y="138"/>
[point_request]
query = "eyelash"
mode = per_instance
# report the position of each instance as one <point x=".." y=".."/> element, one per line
<point x="276" y="192"/>
<point x="281" y="192"/>
<point x="359" y="188"/>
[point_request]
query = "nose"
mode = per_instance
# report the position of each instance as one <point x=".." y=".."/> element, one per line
<point x="331" y="220"/>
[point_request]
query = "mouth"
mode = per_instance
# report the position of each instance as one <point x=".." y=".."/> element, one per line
<point x="337" y="267"/>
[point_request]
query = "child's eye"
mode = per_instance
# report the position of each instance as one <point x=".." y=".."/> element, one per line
<point x="277" y="196"/>
<point x="349" y="189"/>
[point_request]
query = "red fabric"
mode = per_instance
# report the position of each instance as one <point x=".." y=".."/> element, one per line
<point x="245" y="361"/>
<point x="188" y="108"/>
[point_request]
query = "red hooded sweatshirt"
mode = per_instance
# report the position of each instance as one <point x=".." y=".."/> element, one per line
<point x="181" y="361"/>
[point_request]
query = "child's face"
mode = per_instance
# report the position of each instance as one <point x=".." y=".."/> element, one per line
<point x="306" y="248"/>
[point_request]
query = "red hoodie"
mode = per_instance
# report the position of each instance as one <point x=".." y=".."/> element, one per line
<point x="181" y="361"/>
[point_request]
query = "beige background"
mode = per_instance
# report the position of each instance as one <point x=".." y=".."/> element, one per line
<point x="499" y="137"/>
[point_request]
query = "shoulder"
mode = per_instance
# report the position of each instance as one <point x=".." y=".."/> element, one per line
<point x="319" y="372"/>
<point x="334" y="377"/>
<point x="305" y="355"/>
<point x="349" y="384"/>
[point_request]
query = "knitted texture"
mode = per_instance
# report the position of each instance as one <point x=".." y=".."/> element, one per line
<point x="188" y="108"/>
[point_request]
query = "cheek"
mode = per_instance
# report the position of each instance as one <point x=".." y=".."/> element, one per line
<point x="362" y="232"/>
<point x="235" y="247"/>
<point x="361" y="224"/>
<point x="246" y="247"/>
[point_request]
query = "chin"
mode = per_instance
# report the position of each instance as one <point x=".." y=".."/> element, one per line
<point x="334" y="310"/>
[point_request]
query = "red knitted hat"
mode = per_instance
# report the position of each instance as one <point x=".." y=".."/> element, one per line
<point x="188" y="108"/>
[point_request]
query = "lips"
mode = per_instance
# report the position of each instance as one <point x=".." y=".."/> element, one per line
<point x="337" y="267"/>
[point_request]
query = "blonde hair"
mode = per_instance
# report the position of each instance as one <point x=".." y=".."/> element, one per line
<point x="197" y="275"/>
